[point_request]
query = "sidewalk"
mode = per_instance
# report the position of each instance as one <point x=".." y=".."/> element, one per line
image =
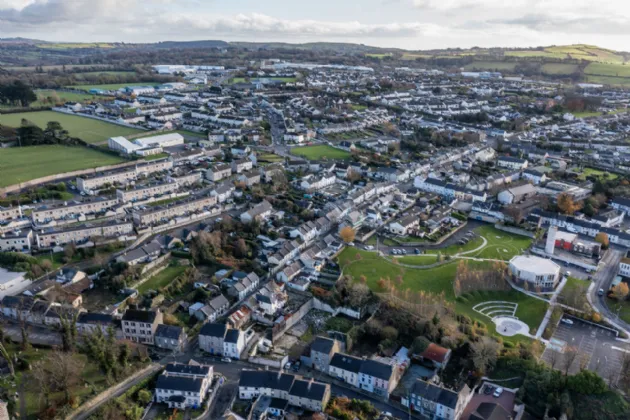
<point x="87" y="409"/>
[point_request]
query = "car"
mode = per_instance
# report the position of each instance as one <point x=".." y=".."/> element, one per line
<point x="417" y="251"/>
<point x="387" y="414"/>
<point x="600" y="292"/>
<point x="404" y="251"/>
<point x="566" y="321"/>
<point x="369" y="247"/>
<point x="498" y="392"/>
<point x="488" y="389"/>
<point x="287" y="366"/>
<point x="226" y="360"/>
<point x="351" y="244"/>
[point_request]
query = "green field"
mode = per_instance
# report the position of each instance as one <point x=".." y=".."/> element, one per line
<point x="87" y="129"/>
<point x="75" y="45"/>
<point x="20" y="164"/>
<point x="104" y="73"/>
<point x="43" y="94"/>
<point x="559" y="68"/>
<point x="608" y="80"/>
<point x="608" y="69"/>
<point x="111" y="86"/>
<point x="596" y="173"/>
<point x="161" y="279"/>
<point x="320" y="152"/>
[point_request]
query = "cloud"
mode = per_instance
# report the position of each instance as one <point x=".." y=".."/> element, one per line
<point x="577" y="25"/>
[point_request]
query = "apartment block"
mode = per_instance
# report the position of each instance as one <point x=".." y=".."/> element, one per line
<point x="123" y="176"/>
<point x="8" y="213"/>
<point x="78" y="234"/>
<point x="179" y="208"/>
<point x="72" y="209"/>
<point x="145" y="192"/>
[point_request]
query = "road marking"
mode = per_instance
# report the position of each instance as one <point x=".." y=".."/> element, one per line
<point x="620" y="349"/>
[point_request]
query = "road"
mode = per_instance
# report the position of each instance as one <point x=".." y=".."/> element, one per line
<point x="602" y="280"/>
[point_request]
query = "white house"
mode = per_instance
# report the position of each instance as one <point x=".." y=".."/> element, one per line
<point x="345" y="368"/>
<point x="401" y="227"/>
<point x="377" y="377"/>
<point x="233" y="343"/>
<point x="259" y="212"/>
<point x="510" y="162"/>
<point x="183" y="386"/>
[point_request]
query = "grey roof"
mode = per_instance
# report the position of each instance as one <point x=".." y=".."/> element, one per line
<point x="179" y="368"/>
<point x="94" y="318"/>
<point x="266" y="379"/>
<point x="308" y="389"/>
<point x="178" y="383"/>
<point x="136" y="315"/>
<point x="346" y="362"/>
<point x="218" y="302"/>
<point x="490" y="411"/>
<point x="434" y="393"/>
<point x="322" y="345"/>
<point x="213" y="330"/>
<point x="376" y="369"/>
<point x="172" y="332"/>
<point x="232" y="336"/>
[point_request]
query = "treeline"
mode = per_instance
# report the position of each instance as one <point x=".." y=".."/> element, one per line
<point x="16" y="93"/>
<point x="30" y="134"/>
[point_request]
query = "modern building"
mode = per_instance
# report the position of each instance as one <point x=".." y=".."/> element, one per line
<point x="12" y="283"/>
<point x="516" y="194"/>
<point x="183" y="386"/>
<point x="16" y="241"/>
<point x="140" y="326"/>
<point x="624" y="265"/>
<point x="73" y="209"/>
<point x="161" y="214"/>
<point x="537" y="271"/>
<point x="163" y="140"/>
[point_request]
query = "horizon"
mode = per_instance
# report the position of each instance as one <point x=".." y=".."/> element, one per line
<point x="404" y="24"/>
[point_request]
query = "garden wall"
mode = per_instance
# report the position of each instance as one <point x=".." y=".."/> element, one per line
<point x="515" y="230"/>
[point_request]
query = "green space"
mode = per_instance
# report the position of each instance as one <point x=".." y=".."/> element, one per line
<point x="620" y="308"/>
<point x="87" y="129"/>
<point x="20" y="164"/>
<point x="339" y="323"/>
<point x="586" y="114"/>
<point x="358" y="107"/>
<point x="559" y="68"/>
<point x="161" y="279"/>
<point x="320" y="152"/>
<point x="156" y="157"/>
<point x="436" y="280"/>
<point x="111" y="86"/>
<point x="608" y="69"/>
<point x="270" y="157"/>
<point x="419" y="260"/>
<point x="56" y="259"/>
<point x="608" y="80"/>
<point x="50" y="98"/>
<point x="590" y="172"/>
<point x="75" y="45"/>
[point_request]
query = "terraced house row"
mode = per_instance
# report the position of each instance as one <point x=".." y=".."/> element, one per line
<point x="179" y="208"/>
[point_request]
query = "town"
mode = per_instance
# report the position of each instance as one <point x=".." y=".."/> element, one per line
<point x="287" y="239"/>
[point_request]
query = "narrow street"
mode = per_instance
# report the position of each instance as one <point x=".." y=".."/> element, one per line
<point x="602" y="280"/>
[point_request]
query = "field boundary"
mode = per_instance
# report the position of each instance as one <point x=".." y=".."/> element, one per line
<point x="94" y="117"/>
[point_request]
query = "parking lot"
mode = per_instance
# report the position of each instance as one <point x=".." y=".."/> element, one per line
<point x="597" y="349"/>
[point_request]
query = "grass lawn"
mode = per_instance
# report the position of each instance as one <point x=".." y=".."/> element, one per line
<point x="596" y="173"/>
<point x="339" y="323"/>
<point x="491" y="66"/>
<point x="607" y="69"/>
<point x="56" y="260"/>
<point x="608" y="80"/>
<point x="111" y="86"/>
<point x="587" y="114"/>
<point x="161" y="279"/>
<point x="419" y="260"/>
<point x="501" y="245"/>
<point x="319" y="152"/>
<point x="439" y="280"/>
<point x="20" y="164"/>
<point x="270" y="157"/>
<point x="87" y="129"/>
<point x="357" y="107"/>
<point x="559" y="68"/>
<point x="63" y="97"/>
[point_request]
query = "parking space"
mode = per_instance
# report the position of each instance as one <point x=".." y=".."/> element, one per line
<point x="585" y="345"/>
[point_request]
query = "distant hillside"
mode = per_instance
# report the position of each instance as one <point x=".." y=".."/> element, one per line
<point x="189" y="44"/>
<point x="338" y="47"/>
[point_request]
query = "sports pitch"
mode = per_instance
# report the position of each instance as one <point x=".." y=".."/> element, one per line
<point x="87" y="129"/>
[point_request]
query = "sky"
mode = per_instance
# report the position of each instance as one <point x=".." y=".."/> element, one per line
<point x="408" y="24"/>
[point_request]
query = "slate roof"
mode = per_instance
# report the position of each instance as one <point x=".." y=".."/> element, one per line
<point x="322" y="345"/>
<point x="172" y="332"/>
<point x="346" y="362"/>
<point x="179" y="368"/>
<point x="178" y="383"/>
<point x="490" y="411"/>
<point x="137" y="315"/>
<point x="376" y="369"/>
<point x="434" y="393"/>
<point x="232" y="336"/>
<point x="266" y="379"/>
<point x="213" y="330"/>
<point x="308" y="389"/>
<point x="94" y="318"/>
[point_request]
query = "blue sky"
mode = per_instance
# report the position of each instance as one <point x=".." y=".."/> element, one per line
<point x="410" y="24"/>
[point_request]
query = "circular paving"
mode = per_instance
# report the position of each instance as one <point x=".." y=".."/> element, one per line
<point x="509" y="327"/>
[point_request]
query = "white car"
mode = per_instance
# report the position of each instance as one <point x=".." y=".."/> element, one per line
<point x="498" y="392"/>
<point x="226" y="360"/>
<point x="369" y="247"/>
<point x="566" y="321"/>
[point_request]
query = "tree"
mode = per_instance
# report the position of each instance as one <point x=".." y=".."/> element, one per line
<point x="569" y="356"/>
<point x="420" y="344"/>
<point x="69" y="251"/>
<point x="358" y="295"/>
<point x="68" y="328"/>
<point x="484" y="353"/>
<point x="144" y="396"/>
<point x="587" y="382"/>
<point x="567" y="205"/>
<point x="46" y="265"/>
<point x="347" y="234"/>
<point x="602" y="238"/>
<point x="65" y="371"/>
<point x="240" y="248"/>
<point x="620" y="291"/>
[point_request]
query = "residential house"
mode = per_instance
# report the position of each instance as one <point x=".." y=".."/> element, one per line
<point x="212" y="310"/>
<point x="223" y="191"/>
<point x="322" y="351"/>
<point x="241" y="165"/>
<point x="377" y="377"/>
<point x="402" y="226"/>
<point x="244" y="286"/>
<point x="259" y="212"/>
<point x="88" y="322"/>
<point x="346" y="368"/>
<point x="139" y="326"/>
<point x="171" y="337"/>
<point x="233" y="343"/>
<point x="183" y="386"/>
<point x="310" y="395"/>
<point x="218" y="172"/>
<point x="510" y="162"/>
<point x="144" y="254"/>
<point x="438" y="403"/>
<point x="211" y="338"/>
<point x="437" y="355"/>
<point x="517" y="194"/>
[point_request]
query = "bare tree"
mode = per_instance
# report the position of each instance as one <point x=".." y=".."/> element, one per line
<point x="358" y="295"/>
<point x="485" y="352"/>
<point x="554" y="358"/>
<point x="65" y="371"/>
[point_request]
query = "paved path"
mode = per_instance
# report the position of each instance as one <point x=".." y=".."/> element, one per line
<point x="86" y="410"/>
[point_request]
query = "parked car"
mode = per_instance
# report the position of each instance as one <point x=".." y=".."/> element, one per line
<point x="488" y="389"/>
<point x="566" y="321"/>
<point x="601" y="292"/>
<point x="226" y="360"/>
<point x="498" y="392"/>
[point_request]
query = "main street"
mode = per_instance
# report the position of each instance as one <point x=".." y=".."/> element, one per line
<point x="602" y="280"/>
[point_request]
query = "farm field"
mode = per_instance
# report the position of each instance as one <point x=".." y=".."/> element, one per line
<point x="75" y="45"/>
<point x="559" y="68"/>
<point x="87" y="129"/>
<point x="20" y="164"/>
<point x="162" y="279"/>
<point x="320" y="152"/>
<point x="43" y="94"/>
<point x="111" y="86"/>
<point x="608" y="69"/>
<point x="608" y="80"/>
